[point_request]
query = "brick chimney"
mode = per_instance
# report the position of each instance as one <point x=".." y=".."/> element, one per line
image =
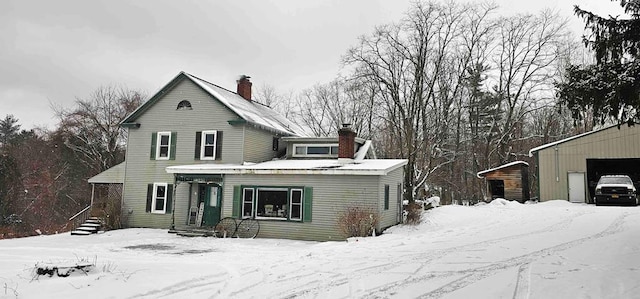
<point x="346" y="142"/>
<point x="244" y="87"/>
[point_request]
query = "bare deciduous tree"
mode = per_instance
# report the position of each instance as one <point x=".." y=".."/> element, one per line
<point x="92" y="127"/>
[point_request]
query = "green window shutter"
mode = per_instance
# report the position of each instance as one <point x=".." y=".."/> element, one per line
<point x="196" y="154"/>
<point x="149" y="197"/>
<point x="169" y="198"/>
<point x="386" y="197"/>
<point x="307" y="204"/>
<point x="172" y="148"/>
<point x="218" y="145"/>
<point x="237" y="201"/>
<point x="154" y="137"/>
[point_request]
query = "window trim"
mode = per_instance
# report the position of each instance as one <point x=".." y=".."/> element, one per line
<point x="242" y="202"/>
<point x="154" y="198"/>
<point x="254" y="203"/>
<point x="291" y="204"/>
<point x="159" y="144"/>
<point x="203" y="138"/>
<point x="306" y="145"/>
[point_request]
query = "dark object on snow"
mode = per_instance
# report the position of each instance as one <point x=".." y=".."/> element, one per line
<point x="62" y="270"/>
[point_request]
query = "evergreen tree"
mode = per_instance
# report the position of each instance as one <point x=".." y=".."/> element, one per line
<point x="611" y="87"/>
<point x="9" y="128"/>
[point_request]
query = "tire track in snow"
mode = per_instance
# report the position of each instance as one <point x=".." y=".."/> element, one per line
<point x="193" y="285"/>
<point x="523" y="282"/>
<point x="417" y="258"/>
<point x="480" y="273"/>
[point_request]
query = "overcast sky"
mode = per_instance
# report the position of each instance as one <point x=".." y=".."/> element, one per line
<point x="55" y="51"/>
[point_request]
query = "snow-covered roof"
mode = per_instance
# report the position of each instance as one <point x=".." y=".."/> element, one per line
<point x="535" y="149"/>
<point x="113" y="175"/>
<point x="481" y="173"/>
<point x="252" y="112"/>
<point x="322" y="166"/>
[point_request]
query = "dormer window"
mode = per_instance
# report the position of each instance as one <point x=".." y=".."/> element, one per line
<point x="315" y="150"/>
<point x="184" y="105"/>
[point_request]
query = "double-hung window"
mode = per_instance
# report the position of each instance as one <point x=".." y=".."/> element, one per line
<point x="208" y="145"/>
<point x="296" y="204"/>
<point x="247" y="202"/>
<point x="163" y="146"/>
<point x="159" y="198"/>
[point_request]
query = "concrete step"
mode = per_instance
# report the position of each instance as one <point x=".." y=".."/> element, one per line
<point x="97" y="225"/>
<point x="93" y="221"/>
<point x="80" y="233"/>
<point x="88" y="229"/>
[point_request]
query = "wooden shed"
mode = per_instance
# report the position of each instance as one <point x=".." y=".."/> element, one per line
<point x="508" y="181"/>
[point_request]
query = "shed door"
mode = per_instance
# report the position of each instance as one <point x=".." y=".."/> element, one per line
<point x="576" y="187"/>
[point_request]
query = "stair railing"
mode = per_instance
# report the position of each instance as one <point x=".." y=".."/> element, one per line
<point x="79" y="217"/>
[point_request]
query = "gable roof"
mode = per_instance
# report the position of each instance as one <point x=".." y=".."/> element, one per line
<point x="535" y="149"/>
<point x="251" y="112"/>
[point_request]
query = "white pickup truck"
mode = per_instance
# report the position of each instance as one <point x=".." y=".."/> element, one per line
<point x="615" y="189"/>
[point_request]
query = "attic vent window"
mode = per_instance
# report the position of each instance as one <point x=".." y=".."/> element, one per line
<point x="184" y="105"/>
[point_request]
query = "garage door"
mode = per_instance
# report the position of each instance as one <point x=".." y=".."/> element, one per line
<point x="599" y="167"/>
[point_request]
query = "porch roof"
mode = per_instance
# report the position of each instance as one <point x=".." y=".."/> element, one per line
<point x="113" y="175"/>
<point x="313" y="167"/>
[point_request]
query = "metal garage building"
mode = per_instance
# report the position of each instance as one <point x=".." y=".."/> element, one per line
<point x="570" y="168"/>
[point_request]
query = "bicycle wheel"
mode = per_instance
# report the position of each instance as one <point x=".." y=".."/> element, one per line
<point x="248" y="228"/>
<point x="226" y="228"/>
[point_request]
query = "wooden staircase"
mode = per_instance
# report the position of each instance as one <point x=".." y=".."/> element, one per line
<point x="91" y="225"/>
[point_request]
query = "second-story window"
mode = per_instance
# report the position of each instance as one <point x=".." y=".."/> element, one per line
<point x="164" y="145"/>
<point x="208" y="145"/>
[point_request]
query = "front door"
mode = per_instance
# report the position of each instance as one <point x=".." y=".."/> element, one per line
<point x="210" y="196"/>
<point x="576" y="187"/>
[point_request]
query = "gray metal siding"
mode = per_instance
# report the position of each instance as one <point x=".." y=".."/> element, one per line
<point x="331" y="195"/>
<point x="207" y="114"/>
<point x="572" y="155"/>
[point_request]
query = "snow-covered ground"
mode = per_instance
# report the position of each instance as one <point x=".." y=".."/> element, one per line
<point x="499" y="250"/>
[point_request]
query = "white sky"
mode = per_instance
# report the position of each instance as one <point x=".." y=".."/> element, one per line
<point x="55" y="51"/>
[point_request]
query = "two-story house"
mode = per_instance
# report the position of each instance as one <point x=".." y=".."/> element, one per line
<point x="197" y="152"/>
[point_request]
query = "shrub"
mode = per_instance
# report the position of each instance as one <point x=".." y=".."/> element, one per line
<point x="357" y="221"/>
<point x="414" y="214"/>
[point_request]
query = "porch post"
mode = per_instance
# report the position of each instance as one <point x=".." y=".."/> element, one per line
<point x="173" y="205"/>
<point x="93" y="190"/>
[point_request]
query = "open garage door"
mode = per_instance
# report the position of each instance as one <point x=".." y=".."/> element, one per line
<point x="599" y="167"/>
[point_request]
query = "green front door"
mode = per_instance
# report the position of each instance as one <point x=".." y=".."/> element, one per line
<point x="212" y="195"/>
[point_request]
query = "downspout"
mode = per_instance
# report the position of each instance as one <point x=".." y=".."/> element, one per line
<point x="557" y="164"/>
